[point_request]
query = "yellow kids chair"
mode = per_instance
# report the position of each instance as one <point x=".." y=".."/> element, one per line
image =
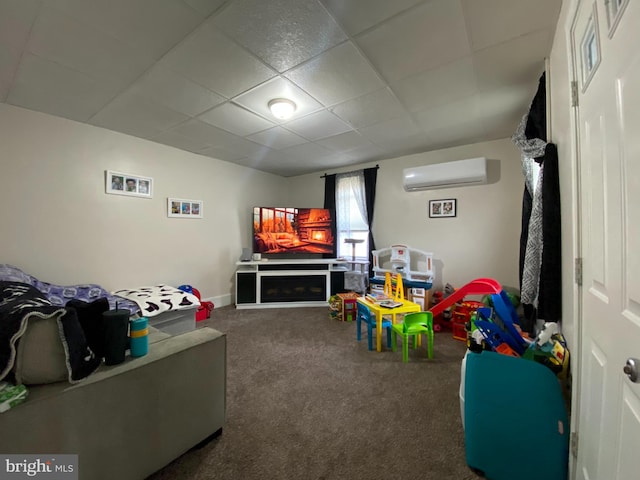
<point x="413" y="324"/>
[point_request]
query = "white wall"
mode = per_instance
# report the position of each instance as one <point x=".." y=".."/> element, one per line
<point x="58" y="224"/>
<point x="482" y="241"/>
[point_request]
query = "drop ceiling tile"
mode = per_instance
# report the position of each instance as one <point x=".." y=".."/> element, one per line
<point x="367" y="153"/>
<point x="222" y="154"/>
<point x="152" y="26"/>
<point x="205" y="7"/>
<point x="437" y="27"/>
<point x="337" y="75"/>
<point x="212" y="60"/>
<point x="180" y="141"/>
<point x="505" y="99"/>
<point x="449" y="115"/>
<point x="232" y="143"/>
<point x="137" y="116"/>
<point x="235" y="119"/>
<point x="16" y="19"/>
<point x="501" y="125"/>
<point x="306" y="151"/>
<point x="284" y="34"/>
<point x="176" y="92"/>
<point x="277" y="138"/>
<point x="64" y="40"/>
<point x="257" y="99"/>
<point x="344" y="141"/>
<point x="514" y="19"/>
<point x="512" y="62"/>
<point x="199" y="131"/>
<point x="318" y="125"/>
<point x="358" y="15"/>
<point x="266" y="156"/>
<point x="398" y="147"/>
<point x="45" y="86"/>
<point x="335" y="160"/>
<point x="203" y="132"/>
<point x="444" y="137"/>
<point x="369" y="109"/>
<point x="437" y="86"/>
<point x="380" y="133"/>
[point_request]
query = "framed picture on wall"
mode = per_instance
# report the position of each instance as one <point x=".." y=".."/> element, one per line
<point x="119" y="183"/>
<point x="442" y="208"/>
<point x="183" y="208"/>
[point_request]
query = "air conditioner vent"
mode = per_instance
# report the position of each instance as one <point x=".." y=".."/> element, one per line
<point x="460" y="173"/>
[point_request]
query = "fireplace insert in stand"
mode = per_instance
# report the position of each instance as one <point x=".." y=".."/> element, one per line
<point x="294" y="288"/>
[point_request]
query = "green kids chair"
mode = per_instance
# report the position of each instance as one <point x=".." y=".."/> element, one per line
<point x="413" y="324"/>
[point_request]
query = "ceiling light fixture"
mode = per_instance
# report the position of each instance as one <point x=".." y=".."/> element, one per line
<point x="282" y="108"/>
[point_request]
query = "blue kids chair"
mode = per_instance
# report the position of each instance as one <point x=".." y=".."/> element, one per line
<point x="364" y="315"/>
<point x="414" y="324"/>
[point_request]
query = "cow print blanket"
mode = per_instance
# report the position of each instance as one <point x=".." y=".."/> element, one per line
<point x="161" y="298"/>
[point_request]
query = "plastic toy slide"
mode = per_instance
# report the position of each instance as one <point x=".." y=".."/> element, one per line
<point x="479" y="286"/>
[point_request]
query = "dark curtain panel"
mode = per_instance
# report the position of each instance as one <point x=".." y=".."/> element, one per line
<point x="370" y="179"/>
<point x="549" y="306"/>
<point x="330" y="203"/>
<point x="537" y="119"/>
<point x="549" y="296"/>
<point x="527" y="204"/>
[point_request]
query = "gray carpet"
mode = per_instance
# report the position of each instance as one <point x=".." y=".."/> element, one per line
<point x="306" y="401"/>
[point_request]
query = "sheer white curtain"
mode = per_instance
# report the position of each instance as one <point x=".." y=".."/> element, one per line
<point x="351" y="213"/>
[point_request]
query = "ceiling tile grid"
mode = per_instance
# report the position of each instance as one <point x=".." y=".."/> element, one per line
<point x="371" y="79"/>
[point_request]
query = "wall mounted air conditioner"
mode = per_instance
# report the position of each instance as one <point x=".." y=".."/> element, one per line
<point x="461" y="173"/>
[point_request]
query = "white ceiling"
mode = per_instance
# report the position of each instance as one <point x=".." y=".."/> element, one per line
<point x="373" y="79"/>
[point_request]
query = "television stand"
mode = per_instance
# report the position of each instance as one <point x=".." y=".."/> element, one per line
<point x="288" y="283"/>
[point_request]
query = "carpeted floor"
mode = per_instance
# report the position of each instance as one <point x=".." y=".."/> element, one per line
<point x="306" y="401"/>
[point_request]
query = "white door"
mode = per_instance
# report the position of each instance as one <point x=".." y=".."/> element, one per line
<point x="605" y="37"/>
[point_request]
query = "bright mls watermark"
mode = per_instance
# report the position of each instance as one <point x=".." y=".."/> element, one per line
<point x="52" y="467"/>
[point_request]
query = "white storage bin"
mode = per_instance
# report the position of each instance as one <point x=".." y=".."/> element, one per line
<point x="175" y="322"/>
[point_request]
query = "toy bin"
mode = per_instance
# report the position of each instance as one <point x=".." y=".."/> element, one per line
<point x="515" y="419"/>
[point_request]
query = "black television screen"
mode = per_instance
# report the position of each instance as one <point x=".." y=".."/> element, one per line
<point x="279" y="230"/>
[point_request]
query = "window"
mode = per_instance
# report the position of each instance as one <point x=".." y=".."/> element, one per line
<point x="590" y="50"/>
<point x="351" y="215"/>
<point x="614" y="12"/>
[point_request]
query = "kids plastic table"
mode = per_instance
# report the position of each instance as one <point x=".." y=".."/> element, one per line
<point x="379" y="311"/>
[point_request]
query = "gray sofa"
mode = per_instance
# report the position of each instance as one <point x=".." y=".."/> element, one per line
<point x="129" y="420"/>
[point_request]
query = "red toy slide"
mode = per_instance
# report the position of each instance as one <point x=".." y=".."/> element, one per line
<point x="479" y="286"/>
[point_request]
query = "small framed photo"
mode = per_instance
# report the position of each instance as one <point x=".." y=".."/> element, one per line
<point x="118" y="183"/>
<point x="183" y="208"/>
<point x="442" y="208"/>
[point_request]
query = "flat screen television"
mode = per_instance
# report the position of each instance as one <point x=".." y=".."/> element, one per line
<point x="288" y="230"/>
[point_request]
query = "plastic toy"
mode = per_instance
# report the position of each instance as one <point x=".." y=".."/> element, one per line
<point x="365" y="315"/>
<point x="549" y="329"/>
<point x="413" y="324"/>
<point x="415" y="266"/>
<point x="393" y="286"/>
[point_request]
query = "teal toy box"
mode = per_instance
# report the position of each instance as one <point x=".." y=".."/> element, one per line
<point x="515" y="419"/>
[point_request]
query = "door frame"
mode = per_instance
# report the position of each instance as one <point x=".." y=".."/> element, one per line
<point x="578" y="225"/>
